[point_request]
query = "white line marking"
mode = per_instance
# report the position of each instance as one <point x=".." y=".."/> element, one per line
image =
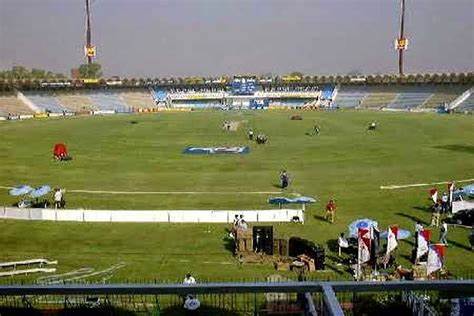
<point x="165" y="192"/>
<point x="393" y="187"/>
<point x="170" y="192"/>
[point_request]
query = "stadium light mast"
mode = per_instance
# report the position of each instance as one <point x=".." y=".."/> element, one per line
<point x="89" y="49"/>
<point x="401" y="43"/>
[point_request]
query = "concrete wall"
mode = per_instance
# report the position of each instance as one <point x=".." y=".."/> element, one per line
<point x="162" y="216"/>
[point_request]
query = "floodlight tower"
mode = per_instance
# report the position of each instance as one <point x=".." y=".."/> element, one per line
<point x="89" y="49"/>
<point x="401" y="43"/>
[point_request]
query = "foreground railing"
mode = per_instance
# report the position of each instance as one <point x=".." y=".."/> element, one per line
<point x="227" y="295"/>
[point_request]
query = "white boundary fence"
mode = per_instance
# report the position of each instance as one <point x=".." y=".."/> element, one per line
<point x="162" y="216"/>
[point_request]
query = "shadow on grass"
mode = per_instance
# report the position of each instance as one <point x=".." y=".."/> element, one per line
<point x="409" y="242"/>
<point x="457" y="244"/>
<point x="332" y="245"/>
<point x="457" y="147"/>
<point x="321" y="218"/>
<point x="413" y="218"/>
<point x="335" y="269"/>
<point x="423" y="208"/>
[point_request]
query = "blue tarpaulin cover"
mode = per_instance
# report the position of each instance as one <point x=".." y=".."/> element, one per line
<point x="285" y="200"/>
<point x="216" y="150"/>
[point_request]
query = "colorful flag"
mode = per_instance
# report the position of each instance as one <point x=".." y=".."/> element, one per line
<point x="434" y="195"/>
<point x="392" y="242"/>
<point x="423" y="240"/>
<point x="364" y="241"/>
<point x="436" y="254"/>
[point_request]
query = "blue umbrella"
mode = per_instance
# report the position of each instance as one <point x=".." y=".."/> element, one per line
<point x="467" y="191"/>
<point x="361" y="223"/>
<point x="402" y="234"/>
<point x="20" y="190"/>
<point x="42" y="190"/>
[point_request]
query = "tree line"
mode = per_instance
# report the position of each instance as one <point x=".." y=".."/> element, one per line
<point x="20" y="77"/>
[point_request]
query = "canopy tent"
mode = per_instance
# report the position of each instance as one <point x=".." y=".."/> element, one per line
<point x="20" y="190"/>
<point x="466" y="192"/>
<point x="361" y="223"/>
<point x="39" y="192"/>
<point x="60" y="151"/>
<point x="402" y="234"/>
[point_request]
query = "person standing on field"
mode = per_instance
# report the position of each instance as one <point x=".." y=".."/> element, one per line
<point x="284" y="179"/>
<point x="444" y="202"/>
<point x="58" y="198"/>
<point x="443" y="233"/>
<point x="435" y="215"/>
<point x="331" y="210"/>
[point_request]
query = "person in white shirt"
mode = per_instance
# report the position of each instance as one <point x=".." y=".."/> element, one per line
<point x="189" y="279"/>
<point x="58" y="198"/>
<point x="418" y="227"/>
<point x="342" y="243"/>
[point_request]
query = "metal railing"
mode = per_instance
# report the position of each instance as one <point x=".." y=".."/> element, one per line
<point x="229" y="295"/>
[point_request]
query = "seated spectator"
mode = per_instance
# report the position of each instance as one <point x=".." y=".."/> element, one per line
<point x="189" y="279"/>
<point x="191" y="303"/>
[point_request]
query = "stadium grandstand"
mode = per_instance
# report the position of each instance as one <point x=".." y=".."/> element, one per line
<point x="238" y="94"/>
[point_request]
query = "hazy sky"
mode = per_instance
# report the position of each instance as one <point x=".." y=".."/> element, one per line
<point x="211" y="37"/>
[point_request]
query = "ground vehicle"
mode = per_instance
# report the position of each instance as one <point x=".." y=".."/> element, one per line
<point x="460" y="204"/>
<point x="464" y="217"/>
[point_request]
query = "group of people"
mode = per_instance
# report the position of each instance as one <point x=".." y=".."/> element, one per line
<point x="441" y="205"/>
<point x="240" y="223"/>
<point x="191" y="302"/>
<point x="260" y="139"/>
<point x="443" y="231"/>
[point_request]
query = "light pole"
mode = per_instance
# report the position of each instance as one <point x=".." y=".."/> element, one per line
<point x="89" y="49"/>
<point x="401" y="43"/>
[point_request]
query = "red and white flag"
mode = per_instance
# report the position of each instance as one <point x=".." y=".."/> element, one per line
<point x="364" y="240"/>
<point x="392" y="242"/>
<point x="434" y="195"/>
<point x="436" y="254"/>
<point x="423" y="240"/>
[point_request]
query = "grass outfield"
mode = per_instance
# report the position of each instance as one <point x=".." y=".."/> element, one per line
<point x="344" y="162"/>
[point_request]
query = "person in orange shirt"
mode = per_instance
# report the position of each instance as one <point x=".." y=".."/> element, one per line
<point x="331" y="210"/>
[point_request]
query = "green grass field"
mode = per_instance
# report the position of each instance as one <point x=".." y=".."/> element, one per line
<point x="344" y="162"/>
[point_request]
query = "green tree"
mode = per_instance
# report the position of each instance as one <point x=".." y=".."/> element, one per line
<point x="90" y="71"/>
